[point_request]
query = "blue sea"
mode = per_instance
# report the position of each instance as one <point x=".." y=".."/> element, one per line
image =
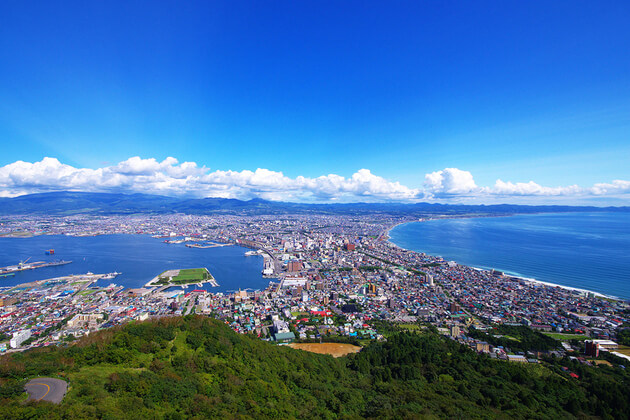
<point x="583" y="250"/>
<point x="138" y="257"/>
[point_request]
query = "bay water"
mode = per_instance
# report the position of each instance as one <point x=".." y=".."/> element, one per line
<point x="588" y="251"/>
<point x="138" y="257"/>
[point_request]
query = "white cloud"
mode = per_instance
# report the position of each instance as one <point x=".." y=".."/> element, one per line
<point x="138" y="166"/>
<point x="450" y="181"/>
<point x="616" y="187"/>
<point x="531" y="189"/>
<point x="169" y="177"/>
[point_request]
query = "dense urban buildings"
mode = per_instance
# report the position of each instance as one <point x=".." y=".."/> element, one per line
<point x="329" y="276"/>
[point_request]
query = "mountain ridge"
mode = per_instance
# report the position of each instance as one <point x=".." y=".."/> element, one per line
<point x="70" y="203"/>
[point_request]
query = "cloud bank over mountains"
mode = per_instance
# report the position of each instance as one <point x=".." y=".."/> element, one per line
<point x="169" y="177"/>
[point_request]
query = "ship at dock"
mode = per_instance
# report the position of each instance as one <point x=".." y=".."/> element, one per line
<point x="25" y="265"/>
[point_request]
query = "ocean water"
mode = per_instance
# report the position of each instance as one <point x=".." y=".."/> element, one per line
<point x="583" y="250"/>
<point x="138" y="257"/>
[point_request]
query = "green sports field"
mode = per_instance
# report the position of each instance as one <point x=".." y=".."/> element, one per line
<point x="186" y="276"/>
<point x="566" y="337"/>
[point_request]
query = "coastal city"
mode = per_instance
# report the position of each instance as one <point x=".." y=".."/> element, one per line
<point x="329" y="277"/>
<point x="315" y="210"/>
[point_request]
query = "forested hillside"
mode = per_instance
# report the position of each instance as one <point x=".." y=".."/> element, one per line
<point x="197" y="367"/>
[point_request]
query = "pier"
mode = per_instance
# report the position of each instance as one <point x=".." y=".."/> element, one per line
<point x="22" y="266"/>
<point x="206" y="246"/>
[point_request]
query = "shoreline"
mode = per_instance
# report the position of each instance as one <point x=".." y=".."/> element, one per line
<point x="506" y="272"/>
<point x="549" y="284"/>
<point x="385" y="235"/>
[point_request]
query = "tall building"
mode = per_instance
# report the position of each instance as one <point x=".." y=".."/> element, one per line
<point x="592" y="348"/>
<point x="454" y="330"/>
<point x="294" y="266"/>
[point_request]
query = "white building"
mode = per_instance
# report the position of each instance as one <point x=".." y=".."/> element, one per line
<point x="19" y="337"/>
<point x="280" y="326"/>
<point x="268" y="266"/>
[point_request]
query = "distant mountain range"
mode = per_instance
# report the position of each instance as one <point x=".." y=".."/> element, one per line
<point x="69" y="203"/>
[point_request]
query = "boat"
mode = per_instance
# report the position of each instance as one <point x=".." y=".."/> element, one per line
<point x="111" y="275"/>
<point x="7" y="274"/>
<point x="58" y="262"/>
<point x="50" y="252"/>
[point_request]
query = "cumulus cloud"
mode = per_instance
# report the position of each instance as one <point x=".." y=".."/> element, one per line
<point x="450" y="181"/>
<point x="170" y="177"/>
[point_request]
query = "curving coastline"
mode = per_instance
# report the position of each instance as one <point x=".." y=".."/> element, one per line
<point x="487" y="267"/>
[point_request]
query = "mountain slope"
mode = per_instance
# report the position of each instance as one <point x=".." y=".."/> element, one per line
<point x="196" y="367"/>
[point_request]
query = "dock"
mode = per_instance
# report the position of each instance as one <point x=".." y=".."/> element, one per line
<point x="212" y="245"/>
<point x="22" y="266"/>
<point x="205" y="246"/>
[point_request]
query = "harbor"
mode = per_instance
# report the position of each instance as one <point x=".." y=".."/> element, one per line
<point x="137" y="259"/>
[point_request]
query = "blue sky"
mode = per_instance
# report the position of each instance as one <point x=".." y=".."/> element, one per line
<point x="522" y="92"/>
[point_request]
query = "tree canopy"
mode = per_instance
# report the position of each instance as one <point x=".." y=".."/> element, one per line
<point x="197" y="367"/>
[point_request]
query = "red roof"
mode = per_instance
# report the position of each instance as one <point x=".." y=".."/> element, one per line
<point x="321" y="313"/>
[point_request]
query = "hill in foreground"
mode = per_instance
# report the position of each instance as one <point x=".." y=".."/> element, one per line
<point x="196" y="367"/>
